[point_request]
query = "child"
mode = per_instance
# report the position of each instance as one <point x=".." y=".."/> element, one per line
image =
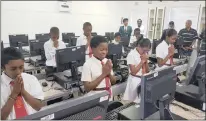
<point x="50" y="50"/>
<point x="17" y="86"/>
<point x="138" y="65"/>
<point x="165" y="50"/>
<point x="136" y="37"/>
<point x="97" y="73"/>
<point x="117" y="39"/>
<point x="86" y="38"/>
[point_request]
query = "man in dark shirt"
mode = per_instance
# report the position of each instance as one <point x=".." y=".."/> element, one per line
<point x="171" y="26"/>
<point x="188" y="36"/>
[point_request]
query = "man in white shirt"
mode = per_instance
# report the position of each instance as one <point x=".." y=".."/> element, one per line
<point x="141" y="27"/>
<point x="50" y="48"/>
<point x="97" y="73"/>
<point x="165" y="50"/>
<point x="21" y="93"/>
<point x="86" y="38"/>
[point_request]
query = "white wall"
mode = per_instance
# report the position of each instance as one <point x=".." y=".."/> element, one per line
<point x="31" y="17"/>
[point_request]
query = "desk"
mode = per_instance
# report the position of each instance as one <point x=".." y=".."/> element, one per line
<point x="52" y="91"/>
<point x="32" y="69"/>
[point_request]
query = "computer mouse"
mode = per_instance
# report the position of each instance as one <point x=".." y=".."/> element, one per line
<point x="44" y="84"/>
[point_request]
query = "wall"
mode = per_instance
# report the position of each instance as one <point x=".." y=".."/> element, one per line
<point x="31" y="17"/>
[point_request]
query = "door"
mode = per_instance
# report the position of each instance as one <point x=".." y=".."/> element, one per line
<point x="151" y="23"/>
<point x="159" y="22"/>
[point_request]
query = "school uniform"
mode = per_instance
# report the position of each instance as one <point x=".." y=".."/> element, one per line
<point x="50" y="52"/>
<point x="82" y="40"/>
<point x="31" y="85"/>
<point x="133" y="82"/>
<point x="115" y="42"/>
<point x="92" y="69"/>
<point x="162" y="51"/>
<point x="132" y="40"/>
<point x="142" y="30"/>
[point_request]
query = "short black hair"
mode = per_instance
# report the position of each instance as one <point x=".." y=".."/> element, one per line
<point x="86" y="24"/>
<point x="137" y="29"/>
<point x="144" y="42"/>
<point x="117" y="34"/>
<point x="171" y="32"/>
<point x="10" y="53"/>
<point x="171" y="23"/>
<point x="139" y="20"/>
<point x="97" y="40"/>
<point x="125" y="19"/>
<point x="54" y="30"/>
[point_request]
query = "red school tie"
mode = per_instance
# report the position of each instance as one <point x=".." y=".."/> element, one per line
<point x="19" y="106"/>
<point x="107" y="82"/>
<point x="90" y="51"/>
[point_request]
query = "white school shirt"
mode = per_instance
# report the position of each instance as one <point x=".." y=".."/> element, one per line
<point x="92" y="69"/>
<point x="130" y="94"/>
<point x="162" y="52"/>
<point x="132" y="40"/>
<point x="142" y="31"/>
<point x="115" y="42"/>
<point x="31" y="85"/>
<point x="82" y="40"/>
<point x="50" y="52"/>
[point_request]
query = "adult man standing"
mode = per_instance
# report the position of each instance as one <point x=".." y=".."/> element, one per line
<point x="125" y="30"/>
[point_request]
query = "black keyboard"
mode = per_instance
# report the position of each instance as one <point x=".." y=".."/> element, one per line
<point x="113" y="115"/>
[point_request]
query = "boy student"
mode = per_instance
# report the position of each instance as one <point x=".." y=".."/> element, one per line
<point x="165" y="50"/>
<point x="86" y="38"/>
<point x="97" y="73"/>
<point x="21" y="93"/>
<point x="117" y="39"/>
<point x="137" y="36"/>
<point x="137" y="60"/>
<point x="50" y="50"/>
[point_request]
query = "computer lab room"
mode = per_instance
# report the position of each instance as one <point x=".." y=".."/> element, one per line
<point x="103" y="60"/>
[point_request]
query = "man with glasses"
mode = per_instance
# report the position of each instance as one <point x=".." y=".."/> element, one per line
<point x="50" y="50"/>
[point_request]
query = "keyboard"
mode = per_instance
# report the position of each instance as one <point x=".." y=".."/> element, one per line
<point x="113" y="115"/>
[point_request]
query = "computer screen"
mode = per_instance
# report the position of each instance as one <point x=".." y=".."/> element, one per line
<point x="18" y="40"/>
<point x="87" y="107"/>
<point x="43" y="36"/>
<point x="66" y="57"/>
<point x="71" y="42"/>
<point x="155" y="86"/>
<point x="36" y="47"/>
<point x="125" y="41"/>
<point x="66" y="37"/>
<point x="114" y="53"/>
<point x="194" y="67"/>
<point x="109" y="35"/>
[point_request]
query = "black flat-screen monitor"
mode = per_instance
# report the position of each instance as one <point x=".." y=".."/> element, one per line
<point x="19" y="40"/>
<point x="87" y="107"/>
<point x="43" y="36"/>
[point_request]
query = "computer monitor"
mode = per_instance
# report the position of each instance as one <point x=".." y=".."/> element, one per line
<point x="37" y="48"/>
<point x="66" y="37"/>
<point x="157" y="90"/>
<point x="87" y="107"/>
<point x="2" y="45"/>
<point x="195" y="70"/>
<point x="72" y="42"/>
<point x="109" y="35"/>
<point x="94" y="34"/>
<point x="43" y="36"/>
<point x="114" y="53"/>
<point x="155" y="44"/>
<point x="19" y="40"/>
<point x="70" y="58"/>
<point x="125" y="41"/>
